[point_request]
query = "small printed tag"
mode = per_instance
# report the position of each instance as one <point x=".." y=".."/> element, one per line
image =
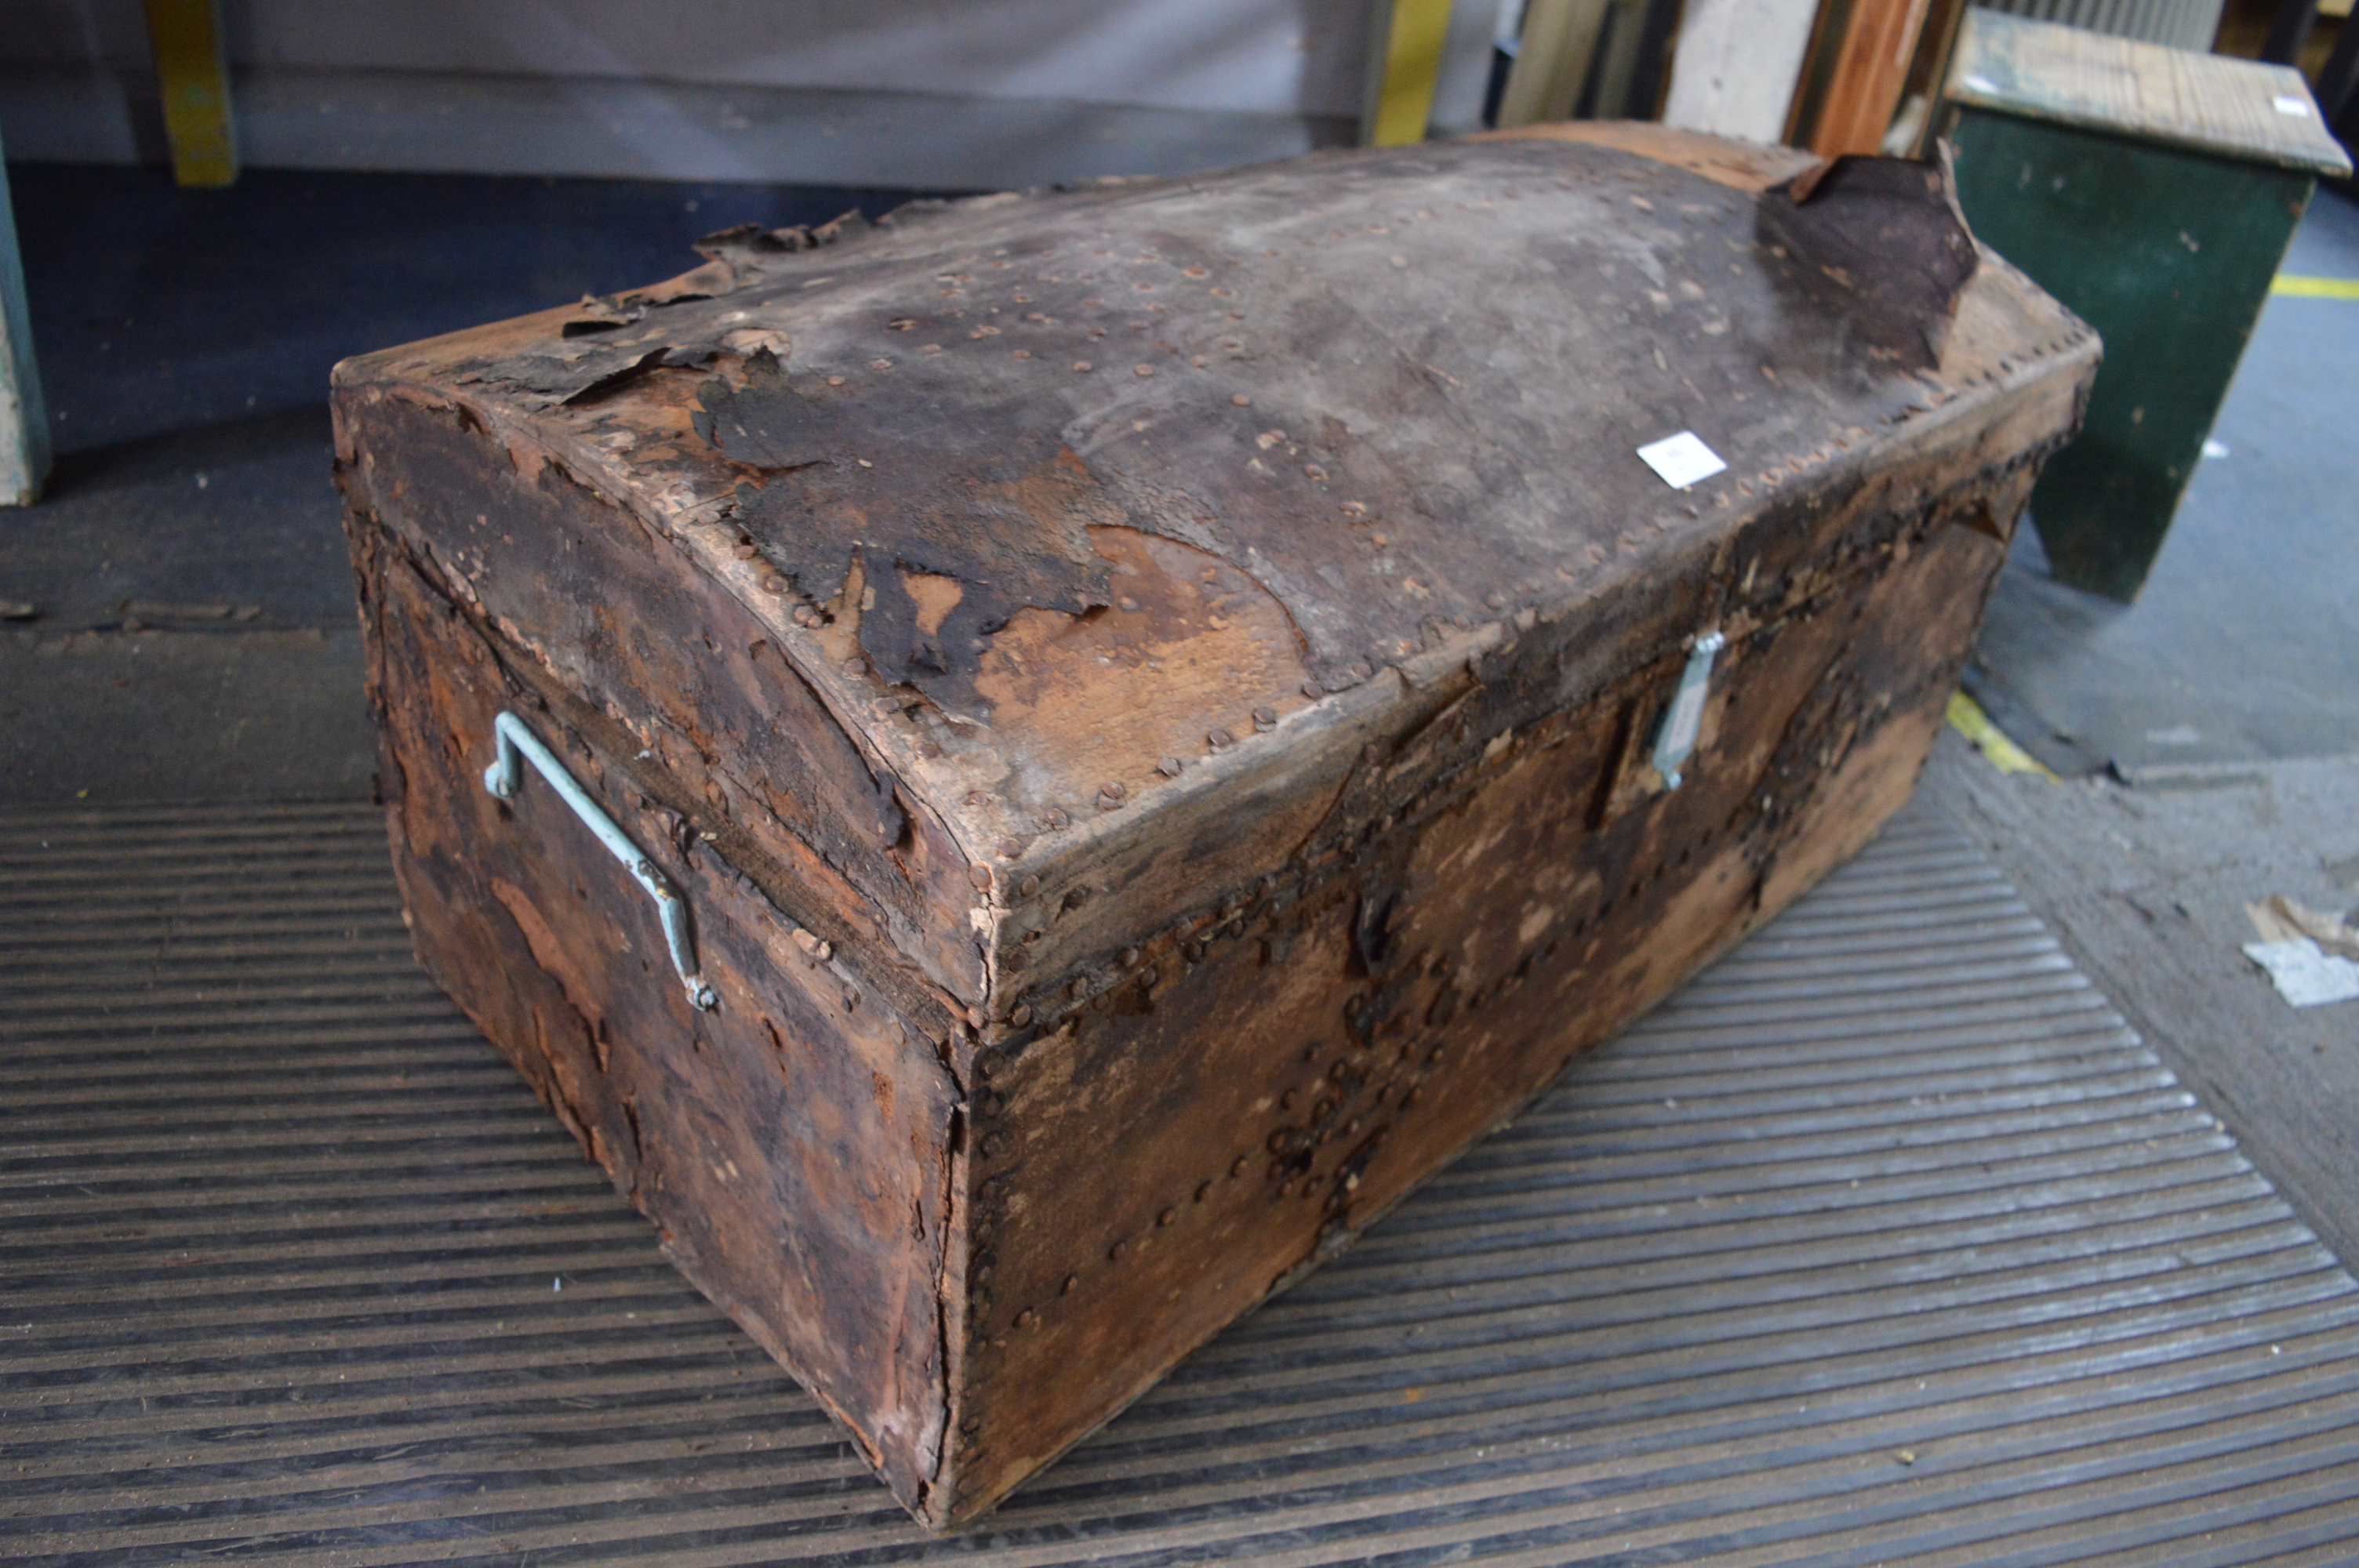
<point x="1681" y="459"/>
<point x="2297" y="107"/>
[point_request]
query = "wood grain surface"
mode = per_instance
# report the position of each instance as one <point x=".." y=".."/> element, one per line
<point x="2236" y="108"/>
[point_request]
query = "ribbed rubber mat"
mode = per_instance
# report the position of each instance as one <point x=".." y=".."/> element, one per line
<point x="1885" y="1242"/>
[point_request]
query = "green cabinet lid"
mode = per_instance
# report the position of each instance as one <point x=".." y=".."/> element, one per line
<point x="2213" y="103"/>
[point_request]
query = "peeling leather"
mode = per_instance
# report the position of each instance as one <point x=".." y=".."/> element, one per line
<point x="1286" y="364"/>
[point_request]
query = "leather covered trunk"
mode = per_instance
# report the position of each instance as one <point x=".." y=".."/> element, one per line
<point x="1171" y="707"/>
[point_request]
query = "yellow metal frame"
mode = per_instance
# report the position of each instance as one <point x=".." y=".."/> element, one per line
<point x="194" y="81"/>
<point x="1416" y="31"/>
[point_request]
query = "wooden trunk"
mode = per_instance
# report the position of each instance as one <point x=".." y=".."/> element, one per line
<point x="1152" y="696"/>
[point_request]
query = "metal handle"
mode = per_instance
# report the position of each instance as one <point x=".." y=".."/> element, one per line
<point x="1675" y="742"/>
<point x="504" y="777"/>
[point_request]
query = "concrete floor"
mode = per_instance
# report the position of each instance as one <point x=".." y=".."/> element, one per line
<point x="195" y="640"/>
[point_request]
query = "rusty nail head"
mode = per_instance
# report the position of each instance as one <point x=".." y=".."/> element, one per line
<point x="1496" y="600"/>
<point x="1363" y="670"/>
<point x="1166" y="1216"/>
<point x="1169" y="767"/>
<point x="1026" y="1318"/>
<point x="1028" y="886"/>
<point x="1238" y="1166"/>
<point x="1114" y="790"/>
<point x="886" y="708"/>
<point x="1021" y="1014"/>
<point x="979" y="874"/>
<point x="1056" y="818"/>
<point x="1312" y="690"/>
<point x="855" y="668"/>
<point x="1219" y="740"/>
<point x="774" y="585"/>
<point x="1128" y="957"/>
<point x="1072" y="1283"/>
<point x="1011" y="848"/>
<point x="1265" y="718"/>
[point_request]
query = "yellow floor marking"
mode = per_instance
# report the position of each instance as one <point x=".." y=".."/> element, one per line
<point x="1967" y="719"/>
<point x="2315" y="288"/>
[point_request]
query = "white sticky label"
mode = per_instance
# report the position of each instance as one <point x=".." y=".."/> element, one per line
<point x="2297" y="107"/>
<point x="1975" y="81"/>
<point x="1681" y="459"/>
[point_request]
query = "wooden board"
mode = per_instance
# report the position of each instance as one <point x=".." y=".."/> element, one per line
<point x="1559" y="39"/>
<point x="1230" y="780"/>
<point x="1737" y="67"/>
<point x="1871" y="47"/>
<point x="2234" y="108"/>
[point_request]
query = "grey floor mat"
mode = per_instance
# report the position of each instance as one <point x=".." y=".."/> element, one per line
<point x="1885" y="1241"/>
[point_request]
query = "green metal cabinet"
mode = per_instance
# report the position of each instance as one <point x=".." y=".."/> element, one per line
<point x="2153" y="190"/>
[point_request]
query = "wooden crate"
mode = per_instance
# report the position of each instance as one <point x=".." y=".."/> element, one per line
<point x="1164" y="702"/>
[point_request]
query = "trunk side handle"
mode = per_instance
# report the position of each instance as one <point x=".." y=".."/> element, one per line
<point x="1675" y="742"/>
<point x="505" y="779"/>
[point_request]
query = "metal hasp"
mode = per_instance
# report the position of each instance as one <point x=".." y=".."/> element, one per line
<point x="504" y="778"/>
<point x="2153" y="191"/>
<point x="1675" y="742"/>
